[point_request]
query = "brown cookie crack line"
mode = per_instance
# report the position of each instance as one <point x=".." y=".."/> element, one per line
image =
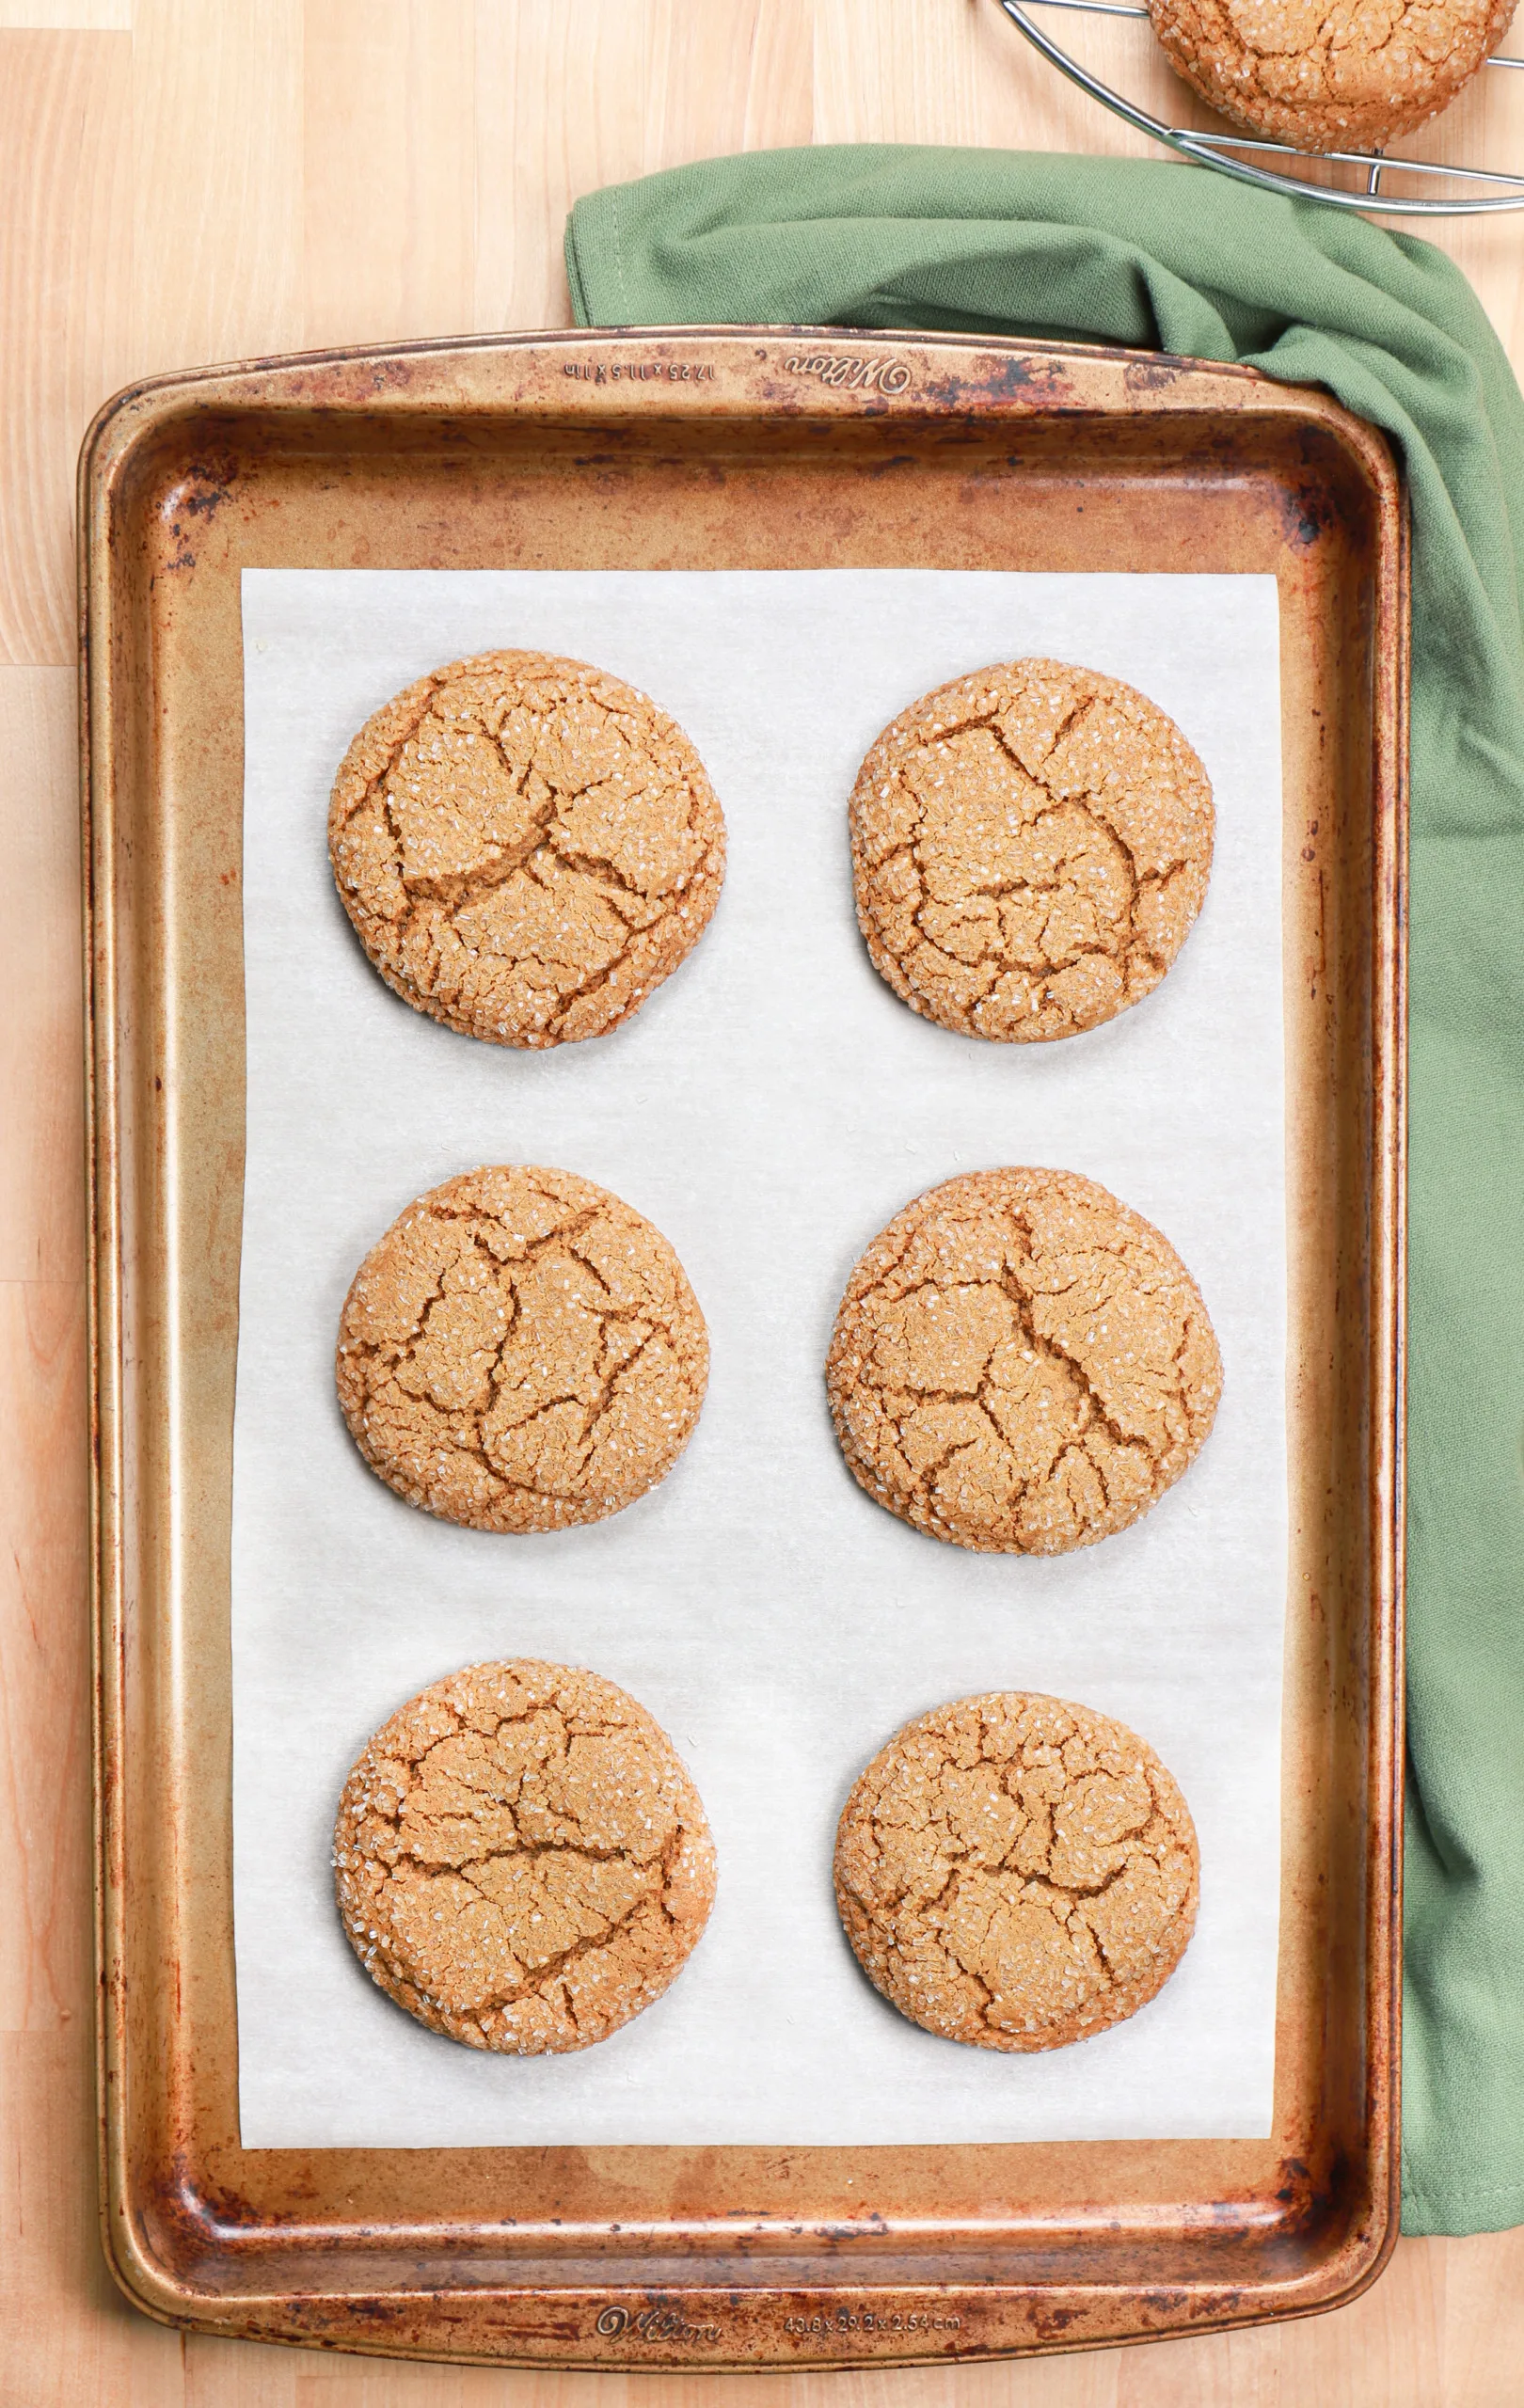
<point x="521" y="1351"/>
<point x="1030" y="846"/>
<point x="1327" y="77"/>
<point x="521" y="1859"/>
<point x="1017" y="1872"/>
<point x="526" y="846"/>
<point x="1020" y="1364"/>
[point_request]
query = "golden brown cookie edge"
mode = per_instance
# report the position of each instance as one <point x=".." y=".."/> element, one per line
<point x="860" y="1932"/>
<point x="878" y="1256"/>
<point x="353" y="782"/>
<point x="523" y="1513"/>
<point x="693" y="1823"/>
<point x="876" y="763"/>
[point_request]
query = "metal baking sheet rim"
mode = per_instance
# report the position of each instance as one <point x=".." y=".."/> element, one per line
<point x="176" y="2249"/>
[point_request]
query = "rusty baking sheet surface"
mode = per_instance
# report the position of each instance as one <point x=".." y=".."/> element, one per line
<point x="721" y="448"/>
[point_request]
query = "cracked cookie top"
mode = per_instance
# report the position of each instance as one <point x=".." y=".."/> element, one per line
<point x="521" y="1352"/>
<point x="526" y="846"/>
<point x="1020" y="1364"/>
<point x="1030" y="846"/>
<point x="521" y="1859"/>
<point x="1329" y="77"/>
<point x="1017" y="1872"/>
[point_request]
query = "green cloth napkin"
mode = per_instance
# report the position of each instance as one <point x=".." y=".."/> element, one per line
<point x="1181" y="260"/>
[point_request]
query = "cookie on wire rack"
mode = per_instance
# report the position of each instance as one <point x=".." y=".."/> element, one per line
<point x="1347" y="77"/>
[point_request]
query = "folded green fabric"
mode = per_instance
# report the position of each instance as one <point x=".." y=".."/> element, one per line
<point x="1180" y="259"/>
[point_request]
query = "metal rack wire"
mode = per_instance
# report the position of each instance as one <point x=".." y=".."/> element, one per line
<point x="1221" y="150"/>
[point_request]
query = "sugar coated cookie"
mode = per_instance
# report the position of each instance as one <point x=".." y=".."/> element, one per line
<point x="1329" y="78"/>
<point x="1030" y="846"/>
<point x="526" y="846"/>
<point x="521" y="1351"/>
<point x="1020" y="1364"/>
<point x="521" y="1859"/>
<point x="1017" y="1872"/>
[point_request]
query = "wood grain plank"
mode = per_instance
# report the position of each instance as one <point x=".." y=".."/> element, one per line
<point x="69" y="2339"/>
<point x="68" y="2336"/>
<point x="870" y="88"/>
<point x="216" y="181"/>
<point x="736" y="76"/>
<point x="1484" y="128"/>
<point x="68" y="16"/>
<point x="64" y="136"/>
<point x="780" y="90"/>
<point x="1481" y="2324"/>
<point x="357" y="2383"/>
<point x="568" y="100"/>
<point x="42" y="1028"/>
<point x="1087" y="2381"/>
<point x="46" y="1979"/>
<point x="245" y="2374"/>
<point x="931" y="72"/>
<point x="390" y="170"/>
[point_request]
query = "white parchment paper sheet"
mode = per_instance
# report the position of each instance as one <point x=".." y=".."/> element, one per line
<point x="770" y="1109"/>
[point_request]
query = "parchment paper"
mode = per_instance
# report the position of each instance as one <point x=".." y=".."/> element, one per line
<point x="770" y="1109"/>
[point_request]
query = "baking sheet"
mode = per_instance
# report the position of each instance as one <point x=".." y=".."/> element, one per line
<point x="770" y="1109"/>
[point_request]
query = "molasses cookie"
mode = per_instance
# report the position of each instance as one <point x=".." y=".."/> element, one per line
<point x="1016" y="1872"/>
<point x="526" y="846"/>
<point x="1030" y="846"/>
<point x="521" y="1351"/>
<point x="1329" y="78"/>
<point x="521" y="1859"/>
<point x="1020" y="1364"/>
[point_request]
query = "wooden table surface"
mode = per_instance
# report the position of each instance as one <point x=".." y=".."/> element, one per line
<point x="186" y="181"/>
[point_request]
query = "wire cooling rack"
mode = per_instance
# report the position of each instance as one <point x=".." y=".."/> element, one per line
<point x="1451" y="195"/>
